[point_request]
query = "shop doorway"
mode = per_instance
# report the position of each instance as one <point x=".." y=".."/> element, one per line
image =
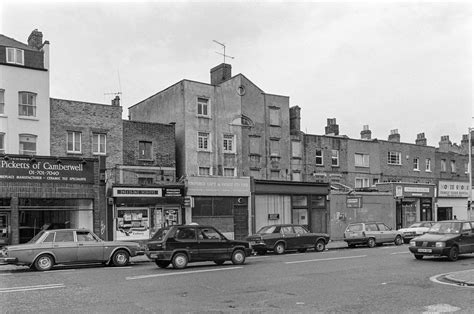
<point x="4" y="228"/>
<point x="445" y="213"/>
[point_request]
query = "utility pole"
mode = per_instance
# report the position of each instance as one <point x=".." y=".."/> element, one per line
<point x="469" y="204"/>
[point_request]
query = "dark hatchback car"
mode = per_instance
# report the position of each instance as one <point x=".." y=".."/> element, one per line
<point x="183" y="244"/>
<point x="285" y="237"/>
<point x="445" y="238"/>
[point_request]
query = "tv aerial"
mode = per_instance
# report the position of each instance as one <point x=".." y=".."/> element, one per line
<point x="222" y="54"/>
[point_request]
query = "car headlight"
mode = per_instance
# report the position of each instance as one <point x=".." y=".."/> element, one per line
<point x="440" y="244"/>
<point x="412" y="243"/>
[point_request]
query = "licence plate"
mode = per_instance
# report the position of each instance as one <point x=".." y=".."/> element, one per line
<point x="424" y="250"/>
<point x="153" y="256"/>
<point x="253" y="242"/>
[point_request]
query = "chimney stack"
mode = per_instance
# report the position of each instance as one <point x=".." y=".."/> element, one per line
<point x="421" y="139"/>
<point x="366" y="134"/>
<point x="295" y="118"/>
<point x="35" y="40"/>
<point x="221" y="73"/>
<point x="116" y="101"/>
<point x="332" y="128"/>
<point x="394" y="136"/>
<point x="445" y="144"/>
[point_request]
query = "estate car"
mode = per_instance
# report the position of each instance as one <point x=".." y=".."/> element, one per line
<point x="371" y="234"/>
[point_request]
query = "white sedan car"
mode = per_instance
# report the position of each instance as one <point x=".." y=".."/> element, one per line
<point x="416" y="229"/>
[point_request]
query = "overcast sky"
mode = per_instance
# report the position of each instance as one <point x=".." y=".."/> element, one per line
<point x="389" y="65"/>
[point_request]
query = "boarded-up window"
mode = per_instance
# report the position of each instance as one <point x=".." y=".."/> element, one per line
<point x="255" y="145"/>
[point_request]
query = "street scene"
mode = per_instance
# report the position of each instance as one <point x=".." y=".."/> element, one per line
<point x="236" y="156"/>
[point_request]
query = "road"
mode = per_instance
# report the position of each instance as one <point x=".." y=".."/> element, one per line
<point x="383" y="279"/>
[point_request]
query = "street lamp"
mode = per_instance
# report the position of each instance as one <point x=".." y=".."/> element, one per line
<point x="468" y="214"/>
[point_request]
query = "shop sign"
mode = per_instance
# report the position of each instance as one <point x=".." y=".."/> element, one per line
<point x="172" y="192"/>
<point x="137" y="192"/>
<point x="46" y="170"/>
<point x="215" y="186"/>
<point x="453" y="189"/>
<point x="354" y="202"/>
<point x="273" y="216"/>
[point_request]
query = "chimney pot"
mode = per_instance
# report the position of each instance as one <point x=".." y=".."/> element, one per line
<point x="366" y="134"/>
<point x="116" y="101"/>
<point x="35" y="39"/>
<point x="394" y="136"/>
<point x="332" y="128"/>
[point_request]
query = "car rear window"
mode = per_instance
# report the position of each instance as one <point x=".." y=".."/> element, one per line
<point x="268" y="229"/>
<point x="354" y="228"/>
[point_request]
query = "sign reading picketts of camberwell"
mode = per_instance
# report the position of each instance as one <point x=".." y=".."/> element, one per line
<point x="23" y="169"/>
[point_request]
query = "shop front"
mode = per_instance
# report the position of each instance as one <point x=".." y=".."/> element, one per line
<point x="452" y="200"/>
<point x="221" y="202"/>
<point x="414" y="201"/>
<point x="137" y="212"/>
<point x="281" y="202"/>
<point x="38" y="192"/>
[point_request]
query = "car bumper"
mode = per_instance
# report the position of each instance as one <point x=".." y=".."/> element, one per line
<point x="433" y="251"/>
<point x="8" y="260"/>
<point x="159" y="255"/>
<point x="259" y="247"/>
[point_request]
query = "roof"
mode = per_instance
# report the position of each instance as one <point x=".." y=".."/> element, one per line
<point x="10" y="42"/>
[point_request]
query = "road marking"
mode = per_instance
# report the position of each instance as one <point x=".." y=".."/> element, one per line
<point x="252" y="257"/>
<point x="326" y="259"/>
<point x="30" y="288"/>
<point x="399" y="253"/>
<point x="181" y="273"/>
<point x="121" y="267"/>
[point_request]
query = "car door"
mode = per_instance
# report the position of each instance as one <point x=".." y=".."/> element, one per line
<point x="288" y="234"/>
<point x="466" y="240"/>
<point x="385" y="234"/>
<point x="64" y="246"/>
<point x="212" y="245"/>
<point x="304" y="239"/>
<point x="372" y="231"/>
<point x="185" y="238"/>
<point x="89" y="247"/>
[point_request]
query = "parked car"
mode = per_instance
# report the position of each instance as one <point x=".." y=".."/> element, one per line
<point x="414" y="230"/>
<point x="182" y="244"/>
<point x="68" y="246"/>
<point x="371" y="234"/>
<point x="445" y="238"/>
<point x="285" y="237"/>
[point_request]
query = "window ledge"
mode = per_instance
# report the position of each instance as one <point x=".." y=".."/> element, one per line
<point x="3" y="115"/>
<point x="230" y="153"/>
<point x="28" y="118"/>
<point x="204" y="151"/>
<point x="145" y="159"/>
<point x="203" y="117"/>
<point x="296" y="157"/>
<point x="74" y="153"/>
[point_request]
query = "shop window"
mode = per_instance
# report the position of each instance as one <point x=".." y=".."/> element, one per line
<point x="300" y="216"/>
<point x="319" y="157"/>
<point x="213" y="206"/>
<point x="318" y="201"/>
<point x="99" y="143"/>
<point x="27" y="104"/>
<point x="132" y="223"/>
<point x="2" y="101"/>
<point x="299" y="200"/>
<point x="27" y="144"/>
<point x="145" y="150"/>
<point x="15" y="55"/>
<point x="394" y="158"/>
<point x="74" y="140"/>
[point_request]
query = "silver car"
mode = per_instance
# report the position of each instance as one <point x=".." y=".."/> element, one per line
<point x="68" y="246"/>
<point x="371" y="234"/>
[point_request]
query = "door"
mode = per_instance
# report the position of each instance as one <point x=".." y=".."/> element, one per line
<point x="185" y="238"/>
<point x="89" y="248"/>
<point x="304" y="238"/>
<point x="466" y="241"/>
<point x="212" y="245"/>
<point x="386" y="235"/>
<point x="289" y="235"/>
<point x="4" y="228"/>
<point x="64" y="247"/>
<point x="445" y="213"/>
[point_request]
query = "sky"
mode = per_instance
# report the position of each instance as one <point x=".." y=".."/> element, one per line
<point x="385" y="64"/>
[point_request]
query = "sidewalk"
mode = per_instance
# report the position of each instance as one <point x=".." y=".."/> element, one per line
<point x="464" y="278"/>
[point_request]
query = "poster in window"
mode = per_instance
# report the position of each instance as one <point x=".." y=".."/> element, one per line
<point x="132" y="224"/>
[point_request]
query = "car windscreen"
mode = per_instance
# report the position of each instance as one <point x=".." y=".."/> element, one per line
<point x="447" y="227"/>
<point x="267" y="229"/>
<point x="36" y="237"/>
<point x="415" y="225"/>
<point x="160" y="234"/>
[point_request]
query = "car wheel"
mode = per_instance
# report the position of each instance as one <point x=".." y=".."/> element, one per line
<point x="238" y="257"/>
<point x="302" y="250"/>
<point x="180" y="260"/>
<point x="162" y="264"/>
<point x="280" y="248"/>
<point x="453" y="253"/>
<point x="219" y="262"/>
<point x="398" y="240"/>
<point x="44" y="262"/>
<point x="320" y="246"/>
<point x="406" y="241"/>
<point x="371" y="242"/>
<point x="418" y="256"/>
<point x="120" y="258"/>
